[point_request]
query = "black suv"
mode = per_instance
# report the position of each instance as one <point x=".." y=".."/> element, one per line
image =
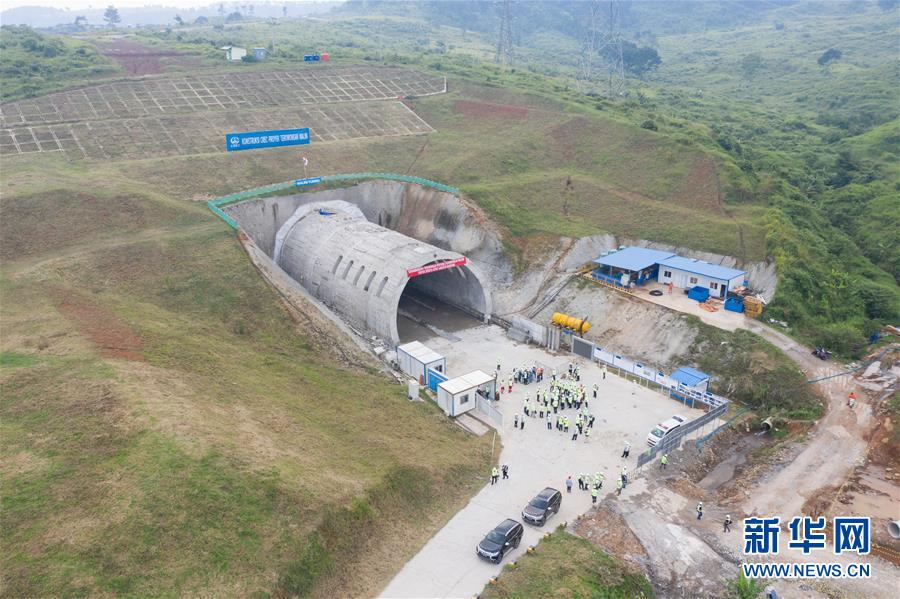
<point x="545" y="504"/>
<point x="507" y="535"/>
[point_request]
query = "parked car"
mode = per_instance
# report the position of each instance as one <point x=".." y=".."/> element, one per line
<point x="545" y="504"/>
<point x="507" y="535"/>
<point x="663" y="430"/>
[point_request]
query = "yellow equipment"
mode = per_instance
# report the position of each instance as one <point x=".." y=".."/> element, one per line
<point x="753" y="307"/>
<point x="570" y="322"/>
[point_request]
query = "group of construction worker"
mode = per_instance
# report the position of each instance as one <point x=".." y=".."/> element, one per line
<point x="523" y="375"/>
<point x="593" y="483"/>
<point x="562" y="394"/>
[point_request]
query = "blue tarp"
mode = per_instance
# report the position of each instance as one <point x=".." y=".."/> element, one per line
<point x="688" y="376"/>
<point x="699" y="267"/>
<point x="633" y="258"/>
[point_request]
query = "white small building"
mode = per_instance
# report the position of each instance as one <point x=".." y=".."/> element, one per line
<point x="234" y="53"/>
<point x="459" y="395"/>
<point x="415" y="359"/>
<point x="685" y="273"/>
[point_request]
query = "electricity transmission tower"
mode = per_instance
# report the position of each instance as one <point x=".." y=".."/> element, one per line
<point x="505" y="36"/>
<point x="587" y="76"/>
<point x="603" y="44"/>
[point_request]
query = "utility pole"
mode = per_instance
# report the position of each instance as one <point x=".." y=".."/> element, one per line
<point x="586" y="78"/>
<point x="505" y="37"/>
<point x="611" y="52"/>
<point x="602" y="62"/>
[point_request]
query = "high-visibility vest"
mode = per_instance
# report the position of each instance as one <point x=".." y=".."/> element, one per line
<point x="594" y="492"/>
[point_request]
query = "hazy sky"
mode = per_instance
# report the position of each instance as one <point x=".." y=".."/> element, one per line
<point x="82" y="4"/>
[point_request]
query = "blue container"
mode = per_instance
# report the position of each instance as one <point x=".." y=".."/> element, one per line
<point x="698" y="293"/>
<point x="734" y="304"/>
<point x="311" y="58"/>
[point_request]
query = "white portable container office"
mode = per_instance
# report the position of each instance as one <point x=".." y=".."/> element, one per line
<point x="458" y="395"/>
<point x="415" y="359"/>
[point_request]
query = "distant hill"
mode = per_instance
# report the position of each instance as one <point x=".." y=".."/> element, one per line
<point x="45" y="17"/>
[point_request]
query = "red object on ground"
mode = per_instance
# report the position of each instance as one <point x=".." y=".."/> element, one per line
<point x="323" y="57"/>
<point x="430" y="268"/>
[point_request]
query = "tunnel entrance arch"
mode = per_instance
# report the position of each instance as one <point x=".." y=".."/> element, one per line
<point x="363" y="270"/>
<point x="449" y="299"/>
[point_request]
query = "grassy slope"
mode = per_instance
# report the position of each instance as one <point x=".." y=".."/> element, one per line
<point x="774" y="136"/>
<point x="819" y="144"/>
<point x="568" y="566"/>
<point x="34" y="63"/>
<point x="167" y="429"/>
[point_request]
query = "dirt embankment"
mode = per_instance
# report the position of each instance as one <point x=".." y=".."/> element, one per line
<point x="99" y="324"/>
<point x="138" y="59"/>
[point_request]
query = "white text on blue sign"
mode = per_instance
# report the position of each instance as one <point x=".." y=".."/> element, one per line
<point x="266" y="139"/>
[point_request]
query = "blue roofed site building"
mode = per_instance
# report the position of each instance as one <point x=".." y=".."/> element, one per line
<point x="634" y="266"/>
<point x="691" y="377"/>
<point x="629" y="266"/>
<point x="715" y="292"/>
<point x="685" y="273"/>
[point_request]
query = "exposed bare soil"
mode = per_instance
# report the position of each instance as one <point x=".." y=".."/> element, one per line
<point x="488" y="110"/>
<point x="609" y="531"/>
<point x="99" y="324"/>
<point x="138" y="59"/>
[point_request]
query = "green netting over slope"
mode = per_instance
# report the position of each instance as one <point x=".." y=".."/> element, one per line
<point x="216" y="204"/>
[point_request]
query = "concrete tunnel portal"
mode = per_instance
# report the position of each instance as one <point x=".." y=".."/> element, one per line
<point x="369" y="274"/>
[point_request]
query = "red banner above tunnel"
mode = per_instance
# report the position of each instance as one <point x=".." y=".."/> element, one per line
<point x="430" y="268"/>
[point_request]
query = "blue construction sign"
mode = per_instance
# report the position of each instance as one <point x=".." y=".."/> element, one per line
<point x="266" y="139"/>
<point x="308" y="181"/>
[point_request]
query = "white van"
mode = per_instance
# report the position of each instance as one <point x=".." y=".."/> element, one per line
<point x="664" y="429"/>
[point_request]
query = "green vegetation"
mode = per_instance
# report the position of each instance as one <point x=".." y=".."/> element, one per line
<point x="563" y="564"/>
<point x="744" y="588"/>
<point x="34" y="63"/>
<point x="167" y="429"/>
<point x="754" y="372"/>
<point x="755" y="149"/>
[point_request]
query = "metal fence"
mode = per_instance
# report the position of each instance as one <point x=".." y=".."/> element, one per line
<point x="673" y="440"/>
<point x="626" y="367"/>
<point x="216" y="205"/>
<point x="484" y="406"/>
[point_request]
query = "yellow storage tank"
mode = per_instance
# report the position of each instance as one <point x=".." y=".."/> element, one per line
<point x="570" y="322"/>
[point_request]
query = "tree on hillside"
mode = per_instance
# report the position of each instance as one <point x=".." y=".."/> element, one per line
<point x="201" y="20"/>
<point x="178" y="20"/>
<point x="111" y="16"/>
<point x="81" y="22"/>
<point x="235" y="16"/>
<point x="829" y="56"/>
<point x="284" y="10"/>
<point x="750" y="64"/>
<point x="639" y="60"/>
<point x="221" y="10"/>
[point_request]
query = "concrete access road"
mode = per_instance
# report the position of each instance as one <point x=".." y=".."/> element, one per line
<point x="447" y="565"/>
